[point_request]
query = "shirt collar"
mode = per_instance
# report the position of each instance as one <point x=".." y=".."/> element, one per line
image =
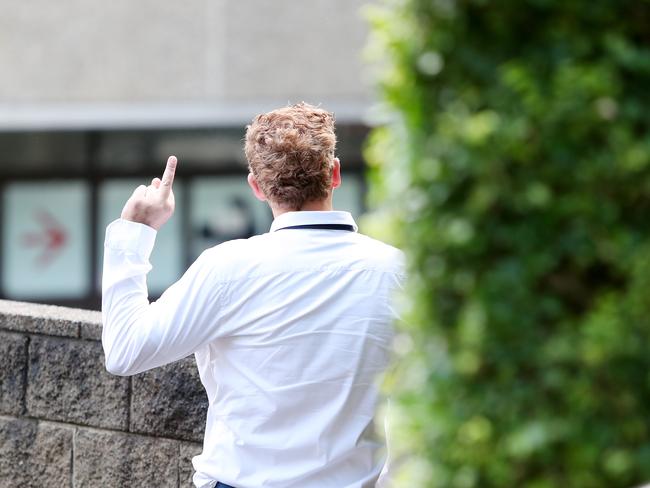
<point x="306" y="217"/>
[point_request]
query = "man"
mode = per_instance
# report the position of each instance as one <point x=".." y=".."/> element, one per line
<point x="290" y="329"/>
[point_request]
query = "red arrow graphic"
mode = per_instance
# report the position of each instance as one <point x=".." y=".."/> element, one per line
<point x="52" y="238"/>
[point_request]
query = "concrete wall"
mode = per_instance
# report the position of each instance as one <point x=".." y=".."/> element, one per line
<point x="66" y="422"/>
<point x="227" y="56"/>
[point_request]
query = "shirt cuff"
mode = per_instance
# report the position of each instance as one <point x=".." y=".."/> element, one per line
<point x="125" y="235"/>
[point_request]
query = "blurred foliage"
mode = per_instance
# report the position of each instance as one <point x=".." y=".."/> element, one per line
<point x="513" y="168"/>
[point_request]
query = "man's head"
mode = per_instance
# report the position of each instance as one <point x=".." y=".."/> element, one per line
<point x="290" y="154"/>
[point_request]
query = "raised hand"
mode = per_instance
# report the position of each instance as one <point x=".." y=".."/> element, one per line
<point x="153" y="205"/>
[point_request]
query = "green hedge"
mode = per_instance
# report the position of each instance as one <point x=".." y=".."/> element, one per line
<point x="515" y="167"/>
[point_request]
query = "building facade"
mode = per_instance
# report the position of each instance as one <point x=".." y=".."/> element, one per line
<point x="95" y="95"/>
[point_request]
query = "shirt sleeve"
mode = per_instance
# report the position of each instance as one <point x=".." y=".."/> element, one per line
<point x="138" y="335"/>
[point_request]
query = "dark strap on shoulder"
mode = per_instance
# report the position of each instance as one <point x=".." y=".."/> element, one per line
<point x="321" y="226"/>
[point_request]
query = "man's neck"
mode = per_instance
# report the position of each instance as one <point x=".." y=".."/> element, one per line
<point x="313" y="206"/>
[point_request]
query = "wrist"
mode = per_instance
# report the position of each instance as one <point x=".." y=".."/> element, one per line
<point x="127" y="235"/>
<point x="142" y="218"/>
<point x="139" y="222"/>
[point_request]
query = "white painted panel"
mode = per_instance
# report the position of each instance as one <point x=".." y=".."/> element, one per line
<point x="46" y="240"/>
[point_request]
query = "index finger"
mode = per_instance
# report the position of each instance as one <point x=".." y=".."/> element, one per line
<point x="168" y="176"/>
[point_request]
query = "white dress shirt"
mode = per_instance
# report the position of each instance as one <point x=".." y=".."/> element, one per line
<point x="290" y="330"/>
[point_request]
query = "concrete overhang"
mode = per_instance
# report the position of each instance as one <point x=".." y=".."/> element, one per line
<point x="141" y="116"/>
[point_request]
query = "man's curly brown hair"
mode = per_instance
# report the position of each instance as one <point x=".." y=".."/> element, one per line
<point x="290" y="153"/>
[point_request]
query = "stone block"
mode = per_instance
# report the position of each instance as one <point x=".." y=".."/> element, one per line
<point x="185" y="468"/>
<point x="67" y="381"/>
<point x="91" y="330"/>
<point x="34" y="454"/>
<point x="45" y="319"/>
<point x="116" y="459"/>
<point x="169" y="401"/>
<point x="13" y="367"/>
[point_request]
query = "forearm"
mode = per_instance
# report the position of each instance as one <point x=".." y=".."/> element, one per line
<point x="139" y="335"/>
<point x="125" y="307"/>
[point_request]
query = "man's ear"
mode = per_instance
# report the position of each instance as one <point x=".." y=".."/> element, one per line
<point x="336" y="173"/>
<point x="252" y="182"/>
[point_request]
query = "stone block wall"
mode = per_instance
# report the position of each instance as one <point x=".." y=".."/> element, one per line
<point x="66" y="422"/>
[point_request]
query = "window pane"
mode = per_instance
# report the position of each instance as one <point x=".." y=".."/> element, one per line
<point x="224" y="208"/>
<point x="208" y="150"/>
<point x="37" y="153"/>
<point x="167" y="256"/>
<point x="349" y="196"/>
<point x="124" y="152"/>
<point x="46" y="240"/>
